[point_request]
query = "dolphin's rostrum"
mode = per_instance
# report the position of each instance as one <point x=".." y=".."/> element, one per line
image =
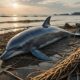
<point x="32" y="39"/>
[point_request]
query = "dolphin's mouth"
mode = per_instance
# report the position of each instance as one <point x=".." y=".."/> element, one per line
<point x="4" y="56"/>
<point x="8" y="55"/>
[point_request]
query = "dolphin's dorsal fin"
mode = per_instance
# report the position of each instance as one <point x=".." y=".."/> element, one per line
<point x="46" y="23"/>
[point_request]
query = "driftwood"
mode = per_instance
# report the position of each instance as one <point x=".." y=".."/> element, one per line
<point x="64" y="69"/>
<point x="13" y="75"/>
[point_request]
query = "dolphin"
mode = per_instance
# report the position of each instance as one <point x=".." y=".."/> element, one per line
<point x="31" y="40"/>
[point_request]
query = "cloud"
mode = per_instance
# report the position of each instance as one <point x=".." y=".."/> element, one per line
<point x="26" y="10"/>
<point x="77" y="3"/>
<point x="48" y="1"/>
<point x="44" y="6"/>
<point x="29" y="2"/>
<point x="35" y="1"/>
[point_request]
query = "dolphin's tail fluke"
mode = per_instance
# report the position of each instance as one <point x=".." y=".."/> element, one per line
<point x="73" y="34"/>
<point x="77" y="34"/>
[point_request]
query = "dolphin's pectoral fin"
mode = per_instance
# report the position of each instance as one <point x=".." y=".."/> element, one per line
<point x="40" y="55"/>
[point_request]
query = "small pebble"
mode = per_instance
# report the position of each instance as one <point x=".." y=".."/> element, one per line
<point x="55" y="57"/>
<point x="67" y="51"/>
<point x="45" y="65"/>
<point x="34" y="67"/>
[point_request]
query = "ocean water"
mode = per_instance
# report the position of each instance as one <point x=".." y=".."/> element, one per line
<point x="8" y="24"/>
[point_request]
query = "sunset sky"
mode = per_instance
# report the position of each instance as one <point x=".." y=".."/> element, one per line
<point x="40" y="7"/>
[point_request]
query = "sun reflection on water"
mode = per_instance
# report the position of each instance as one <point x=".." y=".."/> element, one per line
<point x="15" y="18"/>
<point x="15" y="25"/>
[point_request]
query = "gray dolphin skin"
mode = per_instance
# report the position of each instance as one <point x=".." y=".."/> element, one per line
<point x="30" y="40"/>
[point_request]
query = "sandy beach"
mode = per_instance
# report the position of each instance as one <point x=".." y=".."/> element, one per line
<point x="49" y="48"/>
<point x="58" y="51"/>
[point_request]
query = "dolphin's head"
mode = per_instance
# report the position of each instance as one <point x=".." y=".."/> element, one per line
<point x="13" y="48"/>
<point x="10" y="53"/>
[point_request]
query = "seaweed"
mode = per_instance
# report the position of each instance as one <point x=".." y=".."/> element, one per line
<point x="63" y="70"/>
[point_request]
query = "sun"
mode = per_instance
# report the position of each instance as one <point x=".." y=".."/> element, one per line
<point x="15" y="5"/>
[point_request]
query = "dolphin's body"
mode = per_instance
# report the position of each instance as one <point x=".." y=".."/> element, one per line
<point x="32" y="39"/>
